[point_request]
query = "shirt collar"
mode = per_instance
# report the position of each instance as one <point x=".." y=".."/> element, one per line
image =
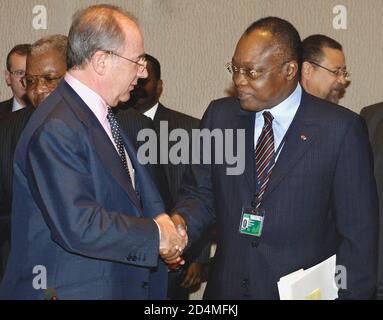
<point x="90" y="97"/>
<point x="16" y="105"/>
<point x="151" y="113"/>
<point x="284" y="112"/>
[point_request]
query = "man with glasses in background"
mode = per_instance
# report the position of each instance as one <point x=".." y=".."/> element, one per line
<point x="324" y="72"/>
<point x="16" y="60"/>
<point x="45" y="64"/>
<point x="373" y="115"/>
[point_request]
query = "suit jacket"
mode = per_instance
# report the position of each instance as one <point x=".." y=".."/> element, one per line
<point x="75" y="214"/>
<point x="132" y="121"/>
<point x="10" y="129"/>
<point x="374" y="119"/>
<point x="321" y="200"/>
<point x="175" y="120"/>
<point x="200" y="250"/>
<point x="6" y="107"/>
<point x="169" y="178"/>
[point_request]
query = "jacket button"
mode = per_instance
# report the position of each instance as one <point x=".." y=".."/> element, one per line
<point x="245" y="282"/>
<point x="144" y="285"/>
<point x="254" y="243"/>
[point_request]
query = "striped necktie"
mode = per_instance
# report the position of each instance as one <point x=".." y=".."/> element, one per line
<point x="264" y="153"/>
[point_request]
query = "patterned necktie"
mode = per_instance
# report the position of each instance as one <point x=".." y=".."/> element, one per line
<point x="264" y="153"/>
<point x="116" y="133"/>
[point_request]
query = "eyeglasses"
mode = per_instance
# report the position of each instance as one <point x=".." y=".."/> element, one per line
<point x="338" y="73"/>
<point x="250" y="74"/>
<point x="141" y="62"/>
<point x="18" y="73"/>
<point x="30" y="81"/>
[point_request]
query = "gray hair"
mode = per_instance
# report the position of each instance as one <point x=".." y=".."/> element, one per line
<point x="56" y="42"/>
<point x="95" y="29"/>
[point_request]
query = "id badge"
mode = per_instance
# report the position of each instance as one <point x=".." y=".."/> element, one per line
<point x="252" y="221"/>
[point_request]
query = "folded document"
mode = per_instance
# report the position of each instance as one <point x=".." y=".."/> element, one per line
<point x="316" y="283"/>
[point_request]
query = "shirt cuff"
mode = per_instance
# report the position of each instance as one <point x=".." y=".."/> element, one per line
<point x="159" y="230"/>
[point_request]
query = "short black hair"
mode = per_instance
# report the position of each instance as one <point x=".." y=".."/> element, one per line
<point x="286" y="35"/>
<point x="312" y="47"/>
<point x="155" y="65"/>
<point x="20" y="49"/>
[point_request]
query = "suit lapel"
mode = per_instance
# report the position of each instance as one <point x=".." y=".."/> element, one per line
<point x="158" y="117"/>
<point x="160" y="114"/>
<point x="246" y="120"/>
<point x="300" y="137"/>
<point x="100" y="140"/>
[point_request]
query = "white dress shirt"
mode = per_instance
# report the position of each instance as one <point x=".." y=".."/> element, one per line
<point x="283" y="114"/>
<point x="151" y="113"/>
<point x="16" y="105"/>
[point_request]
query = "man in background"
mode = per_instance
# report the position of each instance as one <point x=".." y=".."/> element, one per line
<point x="16" y="60"/>
<point x="46" y="65"/>
<point x="145" y="99"/>
<point x="374" y="118"/>
<point x="324" y="72"/>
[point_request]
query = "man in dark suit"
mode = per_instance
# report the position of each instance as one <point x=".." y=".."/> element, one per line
<point x="46" y="58"/>
<point x="307" y="191"/>
<point x="374" y="118"/>
<point x="16" y="60"/>
<point x="87" y="219"/>
<point x="324" y="73"/>
<point x="145" y="99"/>
<point x="132" y="122"/>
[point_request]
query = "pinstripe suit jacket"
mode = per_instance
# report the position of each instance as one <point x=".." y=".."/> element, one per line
<point x="6" y="107"/>
<point x="200" y="250"/>
<point x="176" y="120"/>
<point x="10" y="129"/>
<point x="132" y="121"/>
<point x="374" y="119"/>
<point x="168" y="176"/>
<point x="321" y="200"/>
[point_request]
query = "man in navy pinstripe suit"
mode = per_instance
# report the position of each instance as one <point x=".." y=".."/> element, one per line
<point x="320" y="197"/>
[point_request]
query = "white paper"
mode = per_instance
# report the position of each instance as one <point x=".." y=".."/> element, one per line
<point x="315" y="283"/>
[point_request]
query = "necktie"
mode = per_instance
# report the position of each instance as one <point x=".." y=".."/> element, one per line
<point x="264" y="153"/>
<point x="116" y="134"/>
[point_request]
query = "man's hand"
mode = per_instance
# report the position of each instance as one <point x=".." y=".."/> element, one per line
<point x="172" y="260"/>
<point x="180" y="224"/>
<point x="193" y="277"/>
<point x="172" y="242"/>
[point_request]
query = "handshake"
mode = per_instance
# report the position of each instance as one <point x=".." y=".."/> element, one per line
<point x="173" y="238"/>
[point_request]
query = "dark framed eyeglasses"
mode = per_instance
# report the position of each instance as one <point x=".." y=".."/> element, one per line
<point x="141" y="62"/>
<point x="250" y="74"/>
<point x="31" y="81"/>
<point x="338" y="72"/>
<point x="18" y="73"/>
